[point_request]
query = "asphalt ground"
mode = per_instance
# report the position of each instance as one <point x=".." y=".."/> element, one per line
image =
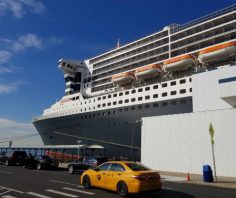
<point x="17" y="182"/>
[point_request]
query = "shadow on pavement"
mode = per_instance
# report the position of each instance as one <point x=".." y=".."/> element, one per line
<point x="163" y="194"/>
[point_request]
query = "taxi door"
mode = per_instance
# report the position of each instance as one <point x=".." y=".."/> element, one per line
<point x="99" y="175"/>
<point x="115" y="174"/>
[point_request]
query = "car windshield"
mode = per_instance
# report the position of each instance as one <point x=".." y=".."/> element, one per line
<point x="137" y="166"/>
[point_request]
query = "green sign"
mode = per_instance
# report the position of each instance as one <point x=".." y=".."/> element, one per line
<point x="211" y="131"/>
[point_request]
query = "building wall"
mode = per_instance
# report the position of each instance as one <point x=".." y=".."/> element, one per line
<point x="208" y="92"/>
<point x="181" y="143"/>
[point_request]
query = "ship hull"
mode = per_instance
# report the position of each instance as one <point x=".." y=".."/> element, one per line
<point x="118" y="131"/>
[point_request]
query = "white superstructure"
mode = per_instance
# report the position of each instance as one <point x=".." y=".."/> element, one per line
<point x="106" y="96"/>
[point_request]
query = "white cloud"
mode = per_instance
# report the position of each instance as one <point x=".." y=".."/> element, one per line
<point x="10" y="87"/>
<point x="27" y="41"/>
<point x="12" y="130"/>
<point x="5" y="70"/>
<point x="6" y="123"/>
<point x="21" y="7"/>
<point x="4" y="56"/>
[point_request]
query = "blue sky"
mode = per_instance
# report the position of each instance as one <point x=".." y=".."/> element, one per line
<point x="34" y="34"/>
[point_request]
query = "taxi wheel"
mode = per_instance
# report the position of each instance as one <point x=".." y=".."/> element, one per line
<point x="86" y="182"/>
<point x="122" y="189"/>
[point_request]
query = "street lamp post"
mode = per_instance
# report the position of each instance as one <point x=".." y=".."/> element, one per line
<point x="79" y="142"/>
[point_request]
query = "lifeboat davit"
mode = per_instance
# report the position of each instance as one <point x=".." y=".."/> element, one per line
<point x="217" y="52"/>
<point x="147" y="71"/>
<point x="123" y="78"/>
<point x="179" y="63"/>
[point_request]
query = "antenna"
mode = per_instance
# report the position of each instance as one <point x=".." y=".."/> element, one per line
<point x="118" y="43"/>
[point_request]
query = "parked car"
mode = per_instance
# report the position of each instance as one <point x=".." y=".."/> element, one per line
<point x="2" y="157"/>
<point x="124" y="177"/>
<point x="85" y="163"/>
<point x="13" y="158"/>
<point x="42" y="162"/>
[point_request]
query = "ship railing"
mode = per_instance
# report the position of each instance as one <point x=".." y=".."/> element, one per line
<point x="204" y="18"/>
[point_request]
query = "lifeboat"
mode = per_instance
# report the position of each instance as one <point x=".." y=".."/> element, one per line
<point x="179" y="63"/>
<point x="147" y="71"/>
<point x="123" y="78"/>
<point x="217" y="52"/>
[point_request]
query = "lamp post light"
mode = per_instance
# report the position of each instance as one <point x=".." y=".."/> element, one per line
<point x="79" y="142"/>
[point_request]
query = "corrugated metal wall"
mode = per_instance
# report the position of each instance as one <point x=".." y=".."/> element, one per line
<point x="181" y="143"/>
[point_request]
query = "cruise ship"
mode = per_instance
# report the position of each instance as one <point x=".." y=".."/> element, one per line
<point x="107" y="96"/>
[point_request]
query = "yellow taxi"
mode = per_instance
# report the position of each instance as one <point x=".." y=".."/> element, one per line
<point x="124" y="177"/>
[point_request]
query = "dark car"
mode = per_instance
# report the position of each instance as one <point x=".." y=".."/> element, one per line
<point x="13" y="158"/>
<point x="2" y="157"/>
<point x="85" y="163"/>
<point x="42" y="162"/>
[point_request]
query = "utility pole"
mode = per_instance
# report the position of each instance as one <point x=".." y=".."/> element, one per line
<point x="212" y="132"/>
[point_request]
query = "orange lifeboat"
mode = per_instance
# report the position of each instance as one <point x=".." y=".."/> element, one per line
<point x="179" y="63"/>
<point x="217" y="52"/>
<point x="147" y="71"/>
<point x="123" y="78"/>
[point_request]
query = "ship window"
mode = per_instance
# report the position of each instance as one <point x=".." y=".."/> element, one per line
<point x="77" y="98"/>
<point x="114" y="103"/>
<point x="155" y="96"/>
<point x="132" y="108"/>
<point x="133" y="91"/>
<point x="164" y="85"/>
<point x="108" y="104"/>
<point x="190" y="79"/>
<point x="104" y="97"/>
<point x="104" y="113"/>
<point x="173" y="83"/>
<point x="164" y="104"/>
<point x="183" y="101"/>
<point x="114" y="112"/>
<point x="90" y="115"/>
<point x="121" y="94"/>
<point x="85" y="116"/>
<point x="81" y="117"/>
<point x="98" y="114"/>
<point x="140" y="107"/>
<point x="126" y="109"/>
<point x="109" y="96"/>
<point x="127" y="93"/>
<point x="147" y="106"/>
<point x="114" y="95"/>
<point x="84" y="109"/>
<point x="103" y="104"/>
<point x="174" y="102"/>
<point x="182" y="91"/>
<point x="147" y="97"/>
<point x="173" y="93"/>
<point x="155" y="105"/>
<point x="140" y="98"/>
<point x="120" y="110"/>
<point x="120" y="102"/>
<point x="127" y="100"/>
<point x="147" y="88"/>
<point x="164" y="94"/>
<point x="108" y="112"/>
<point x="132" y="99"/>
<point x="99" y="98"/>
<point x="190" y="90"/>
<point x="140" y="90"/>
<point x="155" y="87"/>
<point x="99" y="106"/>
<point x="182" y="81"/>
